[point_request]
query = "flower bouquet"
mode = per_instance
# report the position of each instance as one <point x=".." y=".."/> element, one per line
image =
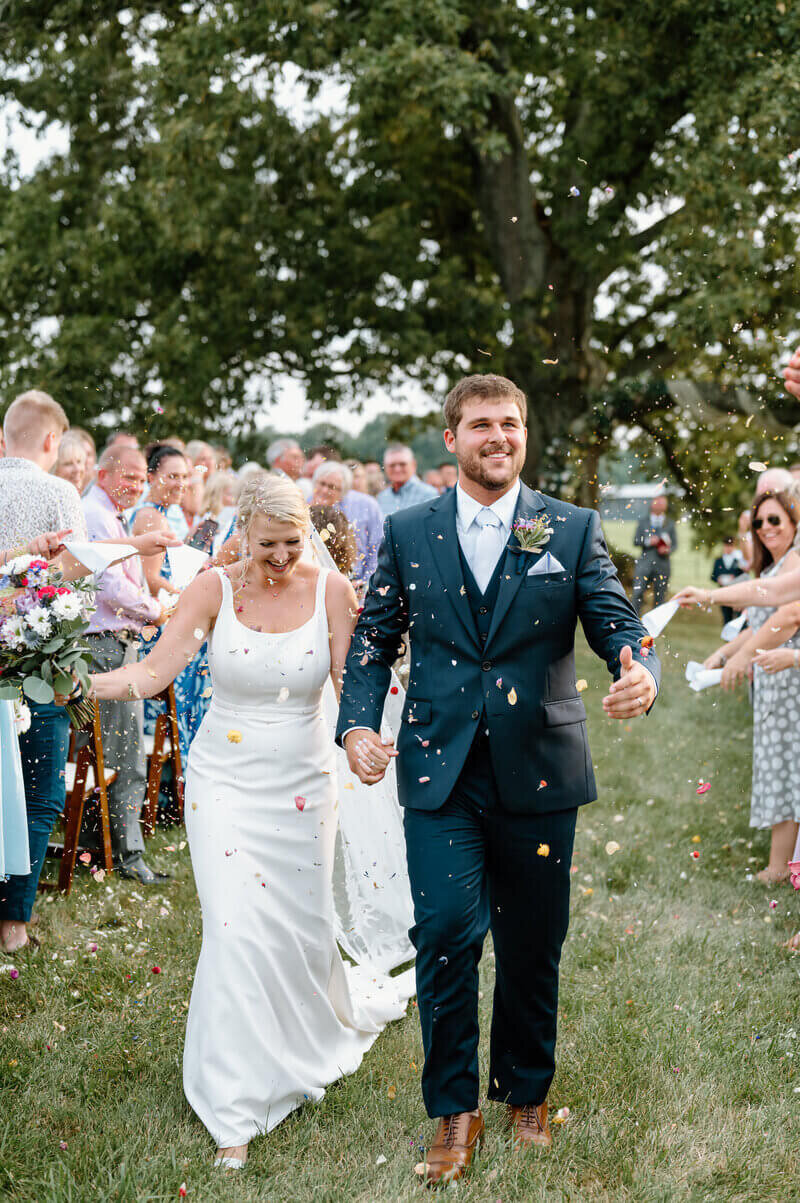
<point x="42" y="620"/>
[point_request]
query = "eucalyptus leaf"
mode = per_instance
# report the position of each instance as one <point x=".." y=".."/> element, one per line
<point x="38" y="690"/>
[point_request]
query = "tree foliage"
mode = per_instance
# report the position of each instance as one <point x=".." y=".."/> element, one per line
<point x="596" y="200"/>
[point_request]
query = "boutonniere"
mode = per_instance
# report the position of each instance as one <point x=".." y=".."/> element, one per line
<point x="533" y="534"/>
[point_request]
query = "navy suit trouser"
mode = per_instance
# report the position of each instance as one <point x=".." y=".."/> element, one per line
<point x="475" y="867"/>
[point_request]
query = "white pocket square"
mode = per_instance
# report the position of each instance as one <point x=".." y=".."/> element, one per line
<point x="547" y="563"/>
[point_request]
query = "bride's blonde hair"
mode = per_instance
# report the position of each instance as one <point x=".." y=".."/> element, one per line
<point x="272" y="496"/>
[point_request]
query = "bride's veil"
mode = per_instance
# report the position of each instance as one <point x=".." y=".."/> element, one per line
<point x="372" y="897"/>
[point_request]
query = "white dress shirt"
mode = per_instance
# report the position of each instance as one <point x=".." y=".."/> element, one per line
<point x="483" y="531"/>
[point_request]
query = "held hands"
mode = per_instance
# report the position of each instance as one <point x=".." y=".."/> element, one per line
<point x="634" y="693"/>
<point x="367" y="755"/>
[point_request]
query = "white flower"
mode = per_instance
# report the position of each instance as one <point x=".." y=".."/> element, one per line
<point x="12" y="632"/>
<point x="66" y="606"/>
<point x="18" y="564"/>
<point x="38" y="620"/>
<point x="22" y="717"/>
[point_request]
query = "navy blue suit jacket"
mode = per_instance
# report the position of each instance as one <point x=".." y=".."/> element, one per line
<point x="524" y="675"/>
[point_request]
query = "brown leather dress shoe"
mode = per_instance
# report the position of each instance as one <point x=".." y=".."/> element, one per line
<point x="529" y="1126"/>
<point x="451" y="1153"/>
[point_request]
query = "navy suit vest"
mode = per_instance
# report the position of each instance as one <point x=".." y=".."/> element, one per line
<point x="482" y="604"/>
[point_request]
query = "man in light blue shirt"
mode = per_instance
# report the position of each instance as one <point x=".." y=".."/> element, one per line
<point x="404" y="488"/>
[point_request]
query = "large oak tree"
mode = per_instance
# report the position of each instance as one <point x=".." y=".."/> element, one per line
<point x="599" y="200"/>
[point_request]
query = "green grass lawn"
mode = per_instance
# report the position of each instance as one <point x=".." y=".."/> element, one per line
<point x="690" y="564"/>
<point x="678" y="1049"/>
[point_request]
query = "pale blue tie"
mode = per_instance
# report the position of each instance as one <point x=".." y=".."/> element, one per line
<point x="488" y="546"/>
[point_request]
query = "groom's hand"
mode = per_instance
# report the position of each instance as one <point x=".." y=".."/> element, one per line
<point x="367" y="755"/>
<point x="634" y="693"/>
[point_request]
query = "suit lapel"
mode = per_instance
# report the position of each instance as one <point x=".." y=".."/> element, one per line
<point x="529" y="504"/>
<point x="443" y="540"/>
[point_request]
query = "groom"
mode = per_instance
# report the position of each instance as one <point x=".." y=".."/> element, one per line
<point x="493" y="756"/>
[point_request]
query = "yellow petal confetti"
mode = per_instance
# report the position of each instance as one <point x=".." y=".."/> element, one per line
<point x="550" y="362"/>
<point x="561" y="1116"/>
<point x="695" y="839"/>
<point x="581" y="685"/>
<point x="234" y="737"/>
<point x="512" y="696"/>
<point x="391" y="1092"/>
<point x="543" y="850"/>
<point x="611" y="847"/>
<point x="324" y="534"/>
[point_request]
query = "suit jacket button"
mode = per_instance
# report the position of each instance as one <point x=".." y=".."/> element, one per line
<point x="475" y="714"/>
<point x="486" y="666"/>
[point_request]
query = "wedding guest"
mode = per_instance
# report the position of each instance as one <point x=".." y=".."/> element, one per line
<point x="223" y="458"/>
<point x="359" y="474"/>
<point x="285" y="457"/>
<point x="167" y="474"/>
<point x="404" y="488"/>
<point x="192" y="500"/>
<point x="218" y="512"/>
<point x="727" y="567"/>
<point x="248" y="469"/>
<point x="121" y="438"/>
<point x="774" y="480"/>
<point x="376" y="481"/>
<point x="124" y="605"/>
<point x="744" y="540"/>
<point x="71" y="460"/>
<point x="316" y="456"/>
<point x="337" y="534"/>
<point x="433" y="477"/>
<point x="202" y="458"/>
<point x="775" y="799"/>
<point x="90" y="448"/>
<point x="449" y="474"/>
<point x="364" y="515"/>
<point x="33" y="502"/>
<point x="657" y="537"/>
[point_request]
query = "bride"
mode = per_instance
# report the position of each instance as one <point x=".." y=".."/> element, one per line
<point x="273" y="1017"/>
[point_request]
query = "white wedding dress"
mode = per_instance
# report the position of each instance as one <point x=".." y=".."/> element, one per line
<point x="275" y="1015"/>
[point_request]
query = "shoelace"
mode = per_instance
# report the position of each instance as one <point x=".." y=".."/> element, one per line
<point x="449" y="1138"/>
<point x="530" y="1116"/>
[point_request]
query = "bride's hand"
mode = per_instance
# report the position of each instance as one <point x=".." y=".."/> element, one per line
<point x="367" y="755"/>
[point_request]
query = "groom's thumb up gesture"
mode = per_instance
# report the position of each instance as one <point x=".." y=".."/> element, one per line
<point x="634" y="693"/>
<point x="368" y="755"/>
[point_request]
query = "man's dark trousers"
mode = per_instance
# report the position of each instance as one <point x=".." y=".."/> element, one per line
<point x="508" y="872"/>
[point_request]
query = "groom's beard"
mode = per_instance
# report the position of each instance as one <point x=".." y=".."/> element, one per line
<point x="494" y="477"/>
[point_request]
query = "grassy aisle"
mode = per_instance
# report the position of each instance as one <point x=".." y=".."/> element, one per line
<point x="678" y="1037"/>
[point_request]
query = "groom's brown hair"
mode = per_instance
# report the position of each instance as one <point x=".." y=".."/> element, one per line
<point x="481" y="386"/>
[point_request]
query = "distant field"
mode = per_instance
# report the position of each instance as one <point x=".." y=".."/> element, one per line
<point x="691" y="564"/>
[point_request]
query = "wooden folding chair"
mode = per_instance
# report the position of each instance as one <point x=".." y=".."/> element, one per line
<point x="166" y="729"/>
<point x="88" y="759"/>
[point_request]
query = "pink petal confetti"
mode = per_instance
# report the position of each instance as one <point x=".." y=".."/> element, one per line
<point x="13" y="974"/>
<point x="703" y="787"/>
<point x="611" y="847"/>
<point x="773" y="906"/>
<point x="85" y="858"/>
<point x="156" y="969"/>
<point x="794" y="873"/>
<point x="91" y="946"/>
<point x="424" y="780"/>
<point x="299" y="801"/>
<point x="62" y="1144"/>
<point x="182" y="1190"/>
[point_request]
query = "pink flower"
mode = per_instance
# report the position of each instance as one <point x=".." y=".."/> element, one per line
<point x="38" y="564"/>
<point x="62" y="590"/>
<point x="46" y="591"/>
<point x="794" y="873"/>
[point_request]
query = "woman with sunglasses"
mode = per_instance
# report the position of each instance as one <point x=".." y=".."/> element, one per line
<point x="775" y="800"/>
